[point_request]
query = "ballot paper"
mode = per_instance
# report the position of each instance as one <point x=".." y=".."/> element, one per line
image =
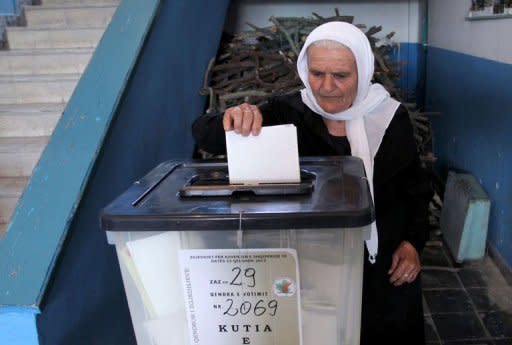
<point x="270" y="157"/>
<point x="168" y="330"/>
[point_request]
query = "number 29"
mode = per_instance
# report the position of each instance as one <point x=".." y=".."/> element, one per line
<point x="249" y="273"/>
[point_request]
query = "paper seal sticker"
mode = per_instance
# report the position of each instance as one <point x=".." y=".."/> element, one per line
<point x="284" y="287"/>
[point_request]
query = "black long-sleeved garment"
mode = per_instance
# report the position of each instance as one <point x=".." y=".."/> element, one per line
<point x="401" y="194"/>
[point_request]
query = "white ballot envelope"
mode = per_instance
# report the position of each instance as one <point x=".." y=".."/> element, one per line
<point x="158" y="271"/>
<point x="270" y="157"/>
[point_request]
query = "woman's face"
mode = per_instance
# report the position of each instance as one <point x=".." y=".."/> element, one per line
<point x="332" y="76"/>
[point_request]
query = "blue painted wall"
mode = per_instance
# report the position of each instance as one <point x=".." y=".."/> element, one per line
<point x="8" y="7"/>
<point x="412" y="74"/>
<point x="18" y="328"/>
<point x="412" y="70"/>
<point x="473" y="132"/>
<point x="85" y="302"/>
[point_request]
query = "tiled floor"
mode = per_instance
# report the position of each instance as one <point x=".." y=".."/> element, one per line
<point x="469" y="303"/>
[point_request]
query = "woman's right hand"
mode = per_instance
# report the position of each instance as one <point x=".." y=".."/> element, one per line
<point x="243" y="119"/>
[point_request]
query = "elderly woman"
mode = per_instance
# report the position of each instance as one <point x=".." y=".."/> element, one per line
<point x="340" y="112"/>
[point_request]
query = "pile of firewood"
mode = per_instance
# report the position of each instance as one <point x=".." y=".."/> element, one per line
<point x="258" y="64"/>
<point x="255" y="65"/>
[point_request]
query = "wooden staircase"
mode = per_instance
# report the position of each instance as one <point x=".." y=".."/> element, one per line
<point x="38" y="73"/>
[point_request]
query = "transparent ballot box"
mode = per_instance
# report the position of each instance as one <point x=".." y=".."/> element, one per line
<point x="208" y="263"/>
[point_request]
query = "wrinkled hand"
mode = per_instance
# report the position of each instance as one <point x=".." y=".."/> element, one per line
<point x="243" y="119"/>
<point x="405" y="265"/>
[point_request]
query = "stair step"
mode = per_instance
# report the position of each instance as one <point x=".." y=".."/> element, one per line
<point x="65" y="16"/>
<point x="78" y="2"/>
<point x="18" y="156"/>
<point x="27" y="38"/>
<point x="44" y="61"/>
<point x="3" y="228"/>
<point x="37" y="88"/>
<point x="29" y="120"/>
<point x="12" y="186"/>
<point x="7" y="206"/>
<point x="10" y="191"/>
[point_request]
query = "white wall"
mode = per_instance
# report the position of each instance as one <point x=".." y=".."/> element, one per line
<point x="448" y="29"/>
<point x="401" y="16"/>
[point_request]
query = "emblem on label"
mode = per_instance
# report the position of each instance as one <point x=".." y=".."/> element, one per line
<point x="284" y="287"/>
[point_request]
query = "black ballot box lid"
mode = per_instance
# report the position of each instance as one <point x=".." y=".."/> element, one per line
<point x="333" y="193"/>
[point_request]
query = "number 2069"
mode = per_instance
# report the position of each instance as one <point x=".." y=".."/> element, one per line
<point x="259" y="308"/>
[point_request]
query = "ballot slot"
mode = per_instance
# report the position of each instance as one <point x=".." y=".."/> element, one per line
<point x="216" y="183"/>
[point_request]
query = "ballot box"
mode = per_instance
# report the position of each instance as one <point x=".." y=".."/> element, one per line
<point x="205" y="262"/>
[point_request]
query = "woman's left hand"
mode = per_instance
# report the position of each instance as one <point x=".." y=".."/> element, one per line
<point x="405" y="265"/>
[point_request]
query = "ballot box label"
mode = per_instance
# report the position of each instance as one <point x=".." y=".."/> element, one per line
<point x="242" y="296"/>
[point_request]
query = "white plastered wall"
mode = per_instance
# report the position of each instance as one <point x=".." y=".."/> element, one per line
<point x="404" y="17"/>
<point x="448" y="29"/>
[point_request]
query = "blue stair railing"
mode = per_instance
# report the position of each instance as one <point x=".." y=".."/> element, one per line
<point x="132" y="108"/>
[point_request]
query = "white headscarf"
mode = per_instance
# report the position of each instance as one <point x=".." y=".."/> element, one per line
<point x="372" y="110"/>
